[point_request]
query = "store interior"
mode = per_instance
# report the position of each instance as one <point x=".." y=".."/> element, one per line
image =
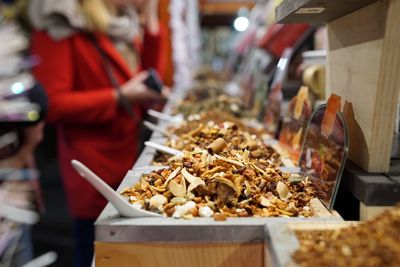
<point x="199" y="133"/>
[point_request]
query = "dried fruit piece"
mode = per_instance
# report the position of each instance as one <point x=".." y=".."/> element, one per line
<point x="297" y="138"/>
<point x="219" y="217"/>
<point x="217" y="146"/>
<point x="301" y="97"/>
<point x="332" y="107"/>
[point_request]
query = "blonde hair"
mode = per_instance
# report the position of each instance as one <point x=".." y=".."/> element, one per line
<point x="97" y="14"/>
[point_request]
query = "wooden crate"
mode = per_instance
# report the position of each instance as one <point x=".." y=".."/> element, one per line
<point x="284" y="242"/>
<point x="179" y="254"/>
<point x="363" y="68"/>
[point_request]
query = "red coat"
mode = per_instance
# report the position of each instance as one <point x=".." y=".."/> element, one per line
<point x="90" y="126"/>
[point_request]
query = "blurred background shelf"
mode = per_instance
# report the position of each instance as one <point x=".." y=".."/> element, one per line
<point x="316" y="11"/>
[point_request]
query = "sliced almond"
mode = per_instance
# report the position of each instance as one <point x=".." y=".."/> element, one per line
<point x="283" y="191"/>
<point x="265" y="202"/>
<point x="171" y="176"/>
<point x="178" y="190"/>
<point x="193" y="180"/>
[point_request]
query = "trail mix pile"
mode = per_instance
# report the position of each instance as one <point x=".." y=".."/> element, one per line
<point x="203" y="131"/>
<point x="371" y="244"/>
<point x="222" y="181"/>
<point x="217" y="117"/>
<point x="219" y="102"/>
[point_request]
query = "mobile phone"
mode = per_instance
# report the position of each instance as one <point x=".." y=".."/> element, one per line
<point x="153" y="81"/>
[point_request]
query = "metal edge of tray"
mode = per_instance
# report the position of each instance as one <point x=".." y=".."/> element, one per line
<point x="197" y="230"/>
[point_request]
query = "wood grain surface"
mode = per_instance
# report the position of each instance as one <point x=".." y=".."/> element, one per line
<point x="178" y="255"/>
<point x="363" y="68"/>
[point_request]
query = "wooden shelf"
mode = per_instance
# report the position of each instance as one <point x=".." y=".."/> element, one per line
<point x="224" y="8"/>
<point x="373" y="189"/>
<point x="316" y="11"/>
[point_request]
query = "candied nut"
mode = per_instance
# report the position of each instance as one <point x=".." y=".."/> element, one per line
<point x="219" y="217"/>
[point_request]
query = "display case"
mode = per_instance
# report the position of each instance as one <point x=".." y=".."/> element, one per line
<point x="363" y="63"/>
<point x="178" y="242"/>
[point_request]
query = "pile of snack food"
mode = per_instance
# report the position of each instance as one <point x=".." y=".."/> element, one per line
<point x="208" y="126"/>
<point x="225" y="169"/>
<point x="370" y="244"/>
<point x="211" y="101"/>
<point x="222" y="180"/>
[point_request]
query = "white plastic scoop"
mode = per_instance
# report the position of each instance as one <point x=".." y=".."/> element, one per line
<point x="124" y="208"/>
<point x="155" y="128"/>
<point x="161" y="116"/>
<point x="163" y="149"/>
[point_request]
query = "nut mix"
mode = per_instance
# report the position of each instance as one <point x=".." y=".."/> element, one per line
<point x="371" y="244"/>
<point x="216" y="102"/>
<point x="209" y="128"/>
<point x="233" y="183"/>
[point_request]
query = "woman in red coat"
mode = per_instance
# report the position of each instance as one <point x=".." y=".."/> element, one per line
<point x="92" y="126"/>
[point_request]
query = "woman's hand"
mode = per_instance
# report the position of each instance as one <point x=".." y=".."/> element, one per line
<point x="135" y="90"/>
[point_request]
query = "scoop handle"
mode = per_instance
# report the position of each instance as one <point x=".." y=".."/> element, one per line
<point x="122" y="206"/>
<point x="164" y="149"/>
